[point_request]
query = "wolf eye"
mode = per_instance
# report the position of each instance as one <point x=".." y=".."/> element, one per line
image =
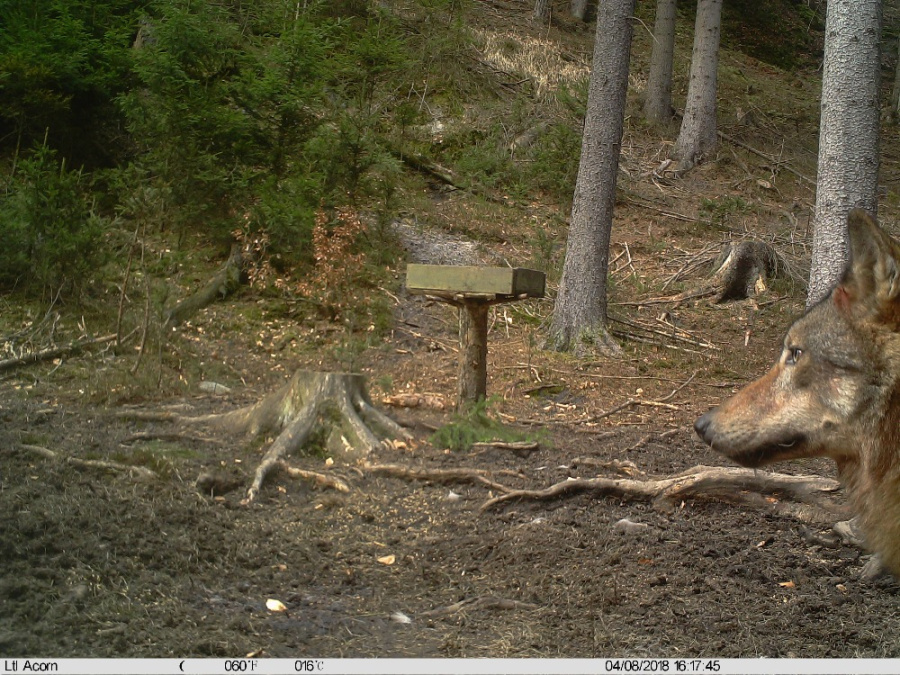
<point x="794" y="354"/>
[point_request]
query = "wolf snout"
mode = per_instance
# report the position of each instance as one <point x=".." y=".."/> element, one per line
<point x="703" y="427"/>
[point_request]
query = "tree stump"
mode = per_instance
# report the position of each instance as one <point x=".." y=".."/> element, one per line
<point x="739" y="272"/>
<point x="338" y="401"/>
<point x="309" y="401"/>
<point x="742" y="269"/>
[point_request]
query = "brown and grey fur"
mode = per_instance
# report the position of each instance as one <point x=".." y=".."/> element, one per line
<point x="834" y="391"/>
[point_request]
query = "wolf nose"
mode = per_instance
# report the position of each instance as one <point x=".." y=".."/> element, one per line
<point x="703" y="427"/>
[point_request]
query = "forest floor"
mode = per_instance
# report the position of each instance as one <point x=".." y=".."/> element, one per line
<point x="99" y="562"/>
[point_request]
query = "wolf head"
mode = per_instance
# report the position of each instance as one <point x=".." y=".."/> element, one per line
<point x="834" y="382"/>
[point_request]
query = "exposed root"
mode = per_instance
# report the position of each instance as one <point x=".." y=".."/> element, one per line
<point x="746" y="486"/>
<point x="460" y="475"/>
<point x="164" y="436"/>
<point x="320" y="479"/>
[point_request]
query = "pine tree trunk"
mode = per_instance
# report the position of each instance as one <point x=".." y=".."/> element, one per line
<point x="579" y="316"/>
<point x="658" y="104"/>
<point x="541" y="14"/>
<point x="895" y="94"/>
<point x="848" y="134"/>
<point x="579" y="9"/>
<point x="697" y="138"/>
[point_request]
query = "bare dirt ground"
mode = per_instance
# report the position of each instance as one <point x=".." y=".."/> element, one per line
<point x="105" y="563"/>
<point x="102" y="563"/>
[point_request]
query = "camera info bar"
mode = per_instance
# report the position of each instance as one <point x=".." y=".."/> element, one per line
<point x="389" y="666"/>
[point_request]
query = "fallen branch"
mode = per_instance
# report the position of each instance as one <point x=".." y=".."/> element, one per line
<point x="675" y="334"/>
<point x="630" y="402"/>
<point x="650" y="437"/>
<point x="142" y="471"/>
<point x="503" y="445"/>
<point x="672" y="394"/>
<point x="47" y="354"/>
<point x="771" y="158"/>
<point x="225" y="282"/>
<point x="728" y="484"/>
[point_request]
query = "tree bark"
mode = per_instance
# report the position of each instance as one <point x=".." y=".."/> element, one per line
<point x="579" y="9"/>
<point x="579" y="316"/>
<point x="895" y="94"/>
<point x="848" y="135"/>
<point x="541" y="14"/>
<point x="697" y="138"/>
<point x="658" y="104"/>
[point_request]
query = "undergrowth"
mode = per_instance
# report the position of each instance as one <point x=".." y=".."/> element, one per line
<point x="476" y="425"/>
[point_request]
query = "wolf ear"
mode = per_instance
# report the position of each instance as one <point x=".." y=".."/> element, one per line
<point x="871" y="282"/>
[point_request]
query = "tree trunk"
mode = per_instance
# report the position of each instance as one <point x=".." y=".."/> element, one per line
<point x="658" y="104"/>
<point x="579" y="316"/>
<point x="541" y="14"/>
<point x="697" y="138"/>
<point x="895" y="94"/>
<point x="848" y="135"/>
<point x="579" y="9"/>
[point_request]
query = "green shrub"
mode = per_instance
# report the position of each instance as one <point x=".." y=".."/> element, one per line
<point x="555" y="158"/>
<point x="51" y="234"/>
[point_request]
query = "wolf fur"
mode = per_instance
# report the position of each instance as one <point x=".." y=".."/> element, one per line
<point x="834" y="391"/>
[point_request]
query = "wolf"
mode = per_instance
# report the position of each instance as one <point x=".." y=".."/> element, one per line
<point x="834" y="391"/>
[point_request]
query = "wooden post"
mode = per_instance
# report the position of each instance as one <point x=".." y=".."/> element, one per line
<point x="473" y="315"/>
<point x="473" y="290"/>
